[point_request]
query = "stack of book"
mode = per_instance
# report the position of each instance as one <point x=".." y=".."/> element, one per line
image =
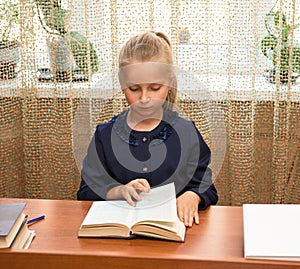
<point x="14" y="232"/>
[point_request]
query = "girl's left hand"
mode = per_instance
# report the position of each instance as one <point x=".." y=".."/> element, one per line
<point x="187" y="208"/>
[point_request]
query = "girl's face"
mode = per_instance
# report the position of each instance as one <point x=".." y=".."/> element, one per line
<point x="146" y="86"/>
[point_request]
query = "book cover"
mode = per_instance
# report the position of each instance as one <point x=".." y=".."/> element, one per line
<point x="271" y="231"/>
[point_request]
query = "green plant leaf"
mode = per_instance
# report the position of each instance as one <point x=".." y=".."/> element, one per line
<point x="268" y="43"/>
<point x="54" y="15"/>
<point x="82" y="49"/>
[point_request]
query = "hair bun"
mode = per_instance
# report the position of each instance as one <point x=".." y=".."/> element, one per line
<point x="164" y="37"/>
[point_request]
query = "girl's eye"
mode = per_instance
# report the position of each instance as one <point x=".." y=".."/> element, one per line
<point x="133" y="89"/>
<point x="155" y="88"/>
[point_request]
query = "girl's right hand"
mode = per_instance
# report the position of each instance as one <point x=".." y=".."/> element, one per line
<point x="130" y="191"/>
<point x="139" y="184"/>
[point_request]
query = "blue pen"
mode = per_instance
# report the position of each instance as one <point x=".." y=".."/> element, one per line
<point x="36" y="219"/>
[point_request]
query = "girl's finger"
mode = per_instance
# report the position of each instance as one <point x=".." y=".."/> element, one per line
<point x="196" y="217"/>
<point x="180" y="215"/>
<point x="144" y="182"/>
<point x="187" y="219"/>
<point x="130" y="193"/>
<point x="142" y="185"/>
<point x="128" y="199"/>
<point x="135" y="195"/>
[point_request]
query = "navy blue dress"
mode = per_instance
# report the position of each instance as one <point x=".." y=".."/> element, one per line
<point x="172" y="152"/>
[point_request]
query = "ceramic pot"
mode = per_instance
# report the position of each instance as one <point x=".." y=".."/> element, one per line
<point x="9" y="58"/>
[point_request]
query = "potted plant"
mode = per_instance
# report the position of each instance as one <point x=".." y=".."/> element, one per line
<point x="9" y="46"/>
<point x="72" y="53"/>
<point x="184" y="36"/>
<point x="269" y="48"/>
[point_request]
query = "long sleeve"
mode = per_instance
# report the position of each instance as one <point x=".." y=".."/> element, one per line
<point x="201" y="180"/>
<point x="95" y="180"/>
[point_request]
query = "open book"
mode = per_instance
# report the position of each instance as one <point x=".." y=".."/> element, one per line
<point x="271" y="231"/>
<point x="154" y="216"/>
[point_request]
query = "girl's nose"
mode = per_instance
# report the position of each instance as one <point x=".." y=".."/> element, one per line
<point x="144" y="98"/>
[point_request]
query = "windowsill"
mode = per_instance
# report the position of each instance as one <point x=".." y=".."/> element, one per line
<point x="215" y="87"/>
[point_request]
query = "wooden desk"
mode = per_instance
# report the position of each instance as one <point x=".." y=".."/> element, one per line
<point x="217" y="242"/>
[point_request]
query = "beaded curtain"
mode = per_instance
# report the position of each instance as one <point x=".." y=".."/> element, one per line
<point x="238" y="70"/>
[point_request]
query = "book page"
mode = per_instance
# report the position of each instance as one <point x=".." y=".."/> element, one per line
<point x="164" y="230"/>
<point x="157" y="205"/>
<point x="29" y="239"/>
<point x="109" y="212"/>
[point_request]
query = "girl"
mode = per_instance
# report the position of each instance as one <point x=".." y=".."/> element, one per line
<point x="149" y="144"/>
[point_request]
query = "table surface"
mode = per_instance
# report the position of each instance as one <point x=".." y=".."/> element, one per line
<point x="217" y="242"/>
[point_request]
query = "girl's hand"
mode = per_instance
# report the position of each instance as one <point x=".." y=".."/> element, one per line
<point x="187" y="208"/>
<point x="139" y="184"/>
<point x="129" y="192"/>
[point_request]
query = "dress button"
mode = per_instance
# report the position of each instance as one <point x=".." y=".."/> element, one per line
<point x="145" y="169"/>
<point x="144" y="139"/>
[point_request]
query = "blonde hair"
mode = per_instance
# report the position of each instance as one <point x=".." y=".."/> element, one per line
<point x="145" y="47"/>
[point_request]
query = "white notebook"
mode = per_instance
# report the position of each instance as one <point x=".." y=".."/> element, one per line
<point x="272" y="231"/>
